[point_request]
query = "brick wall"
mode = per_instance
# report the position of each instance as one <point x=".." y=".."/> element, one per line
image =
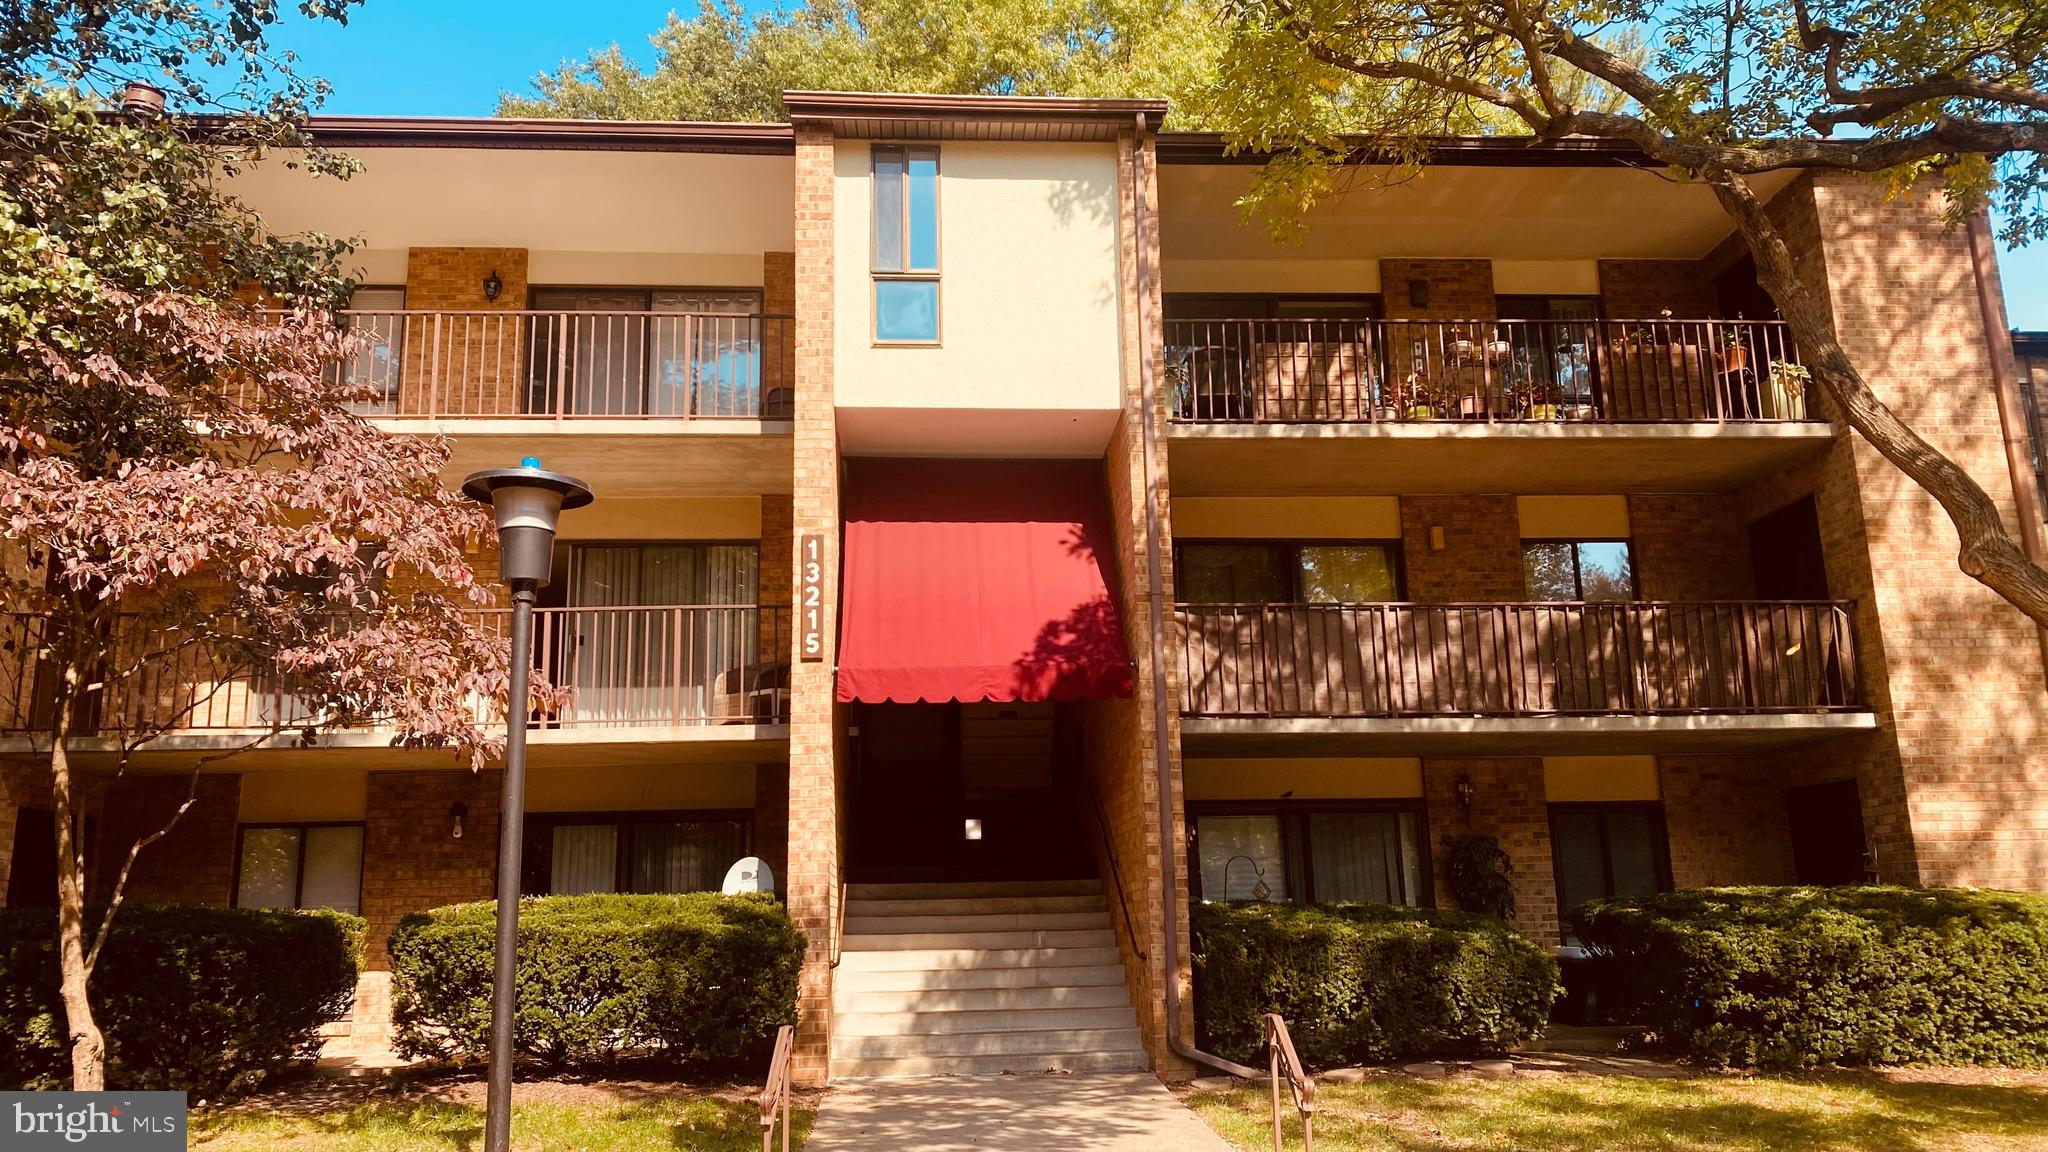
<point x="771" y="818"/>
<point x="411" y="860"/>
<point x="778" y="565"/>
<point x="778" y="358"/>
<point x="1482" y="556"/>
<point x="1640" y="289"/>
<point x="470" y="364"/>
<point x="1508" y="804"/>
<point x="1690" y="547"/>
<point x="193" y="864"/>
<point x="22" y="785"/>
<point x="1725" y="819"/>
<point x="816" y="800"/>
<point x="1458" y="290"/>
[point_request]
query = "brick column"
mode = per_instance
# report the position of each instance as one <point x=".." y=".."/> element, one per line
<point x="464" y="364"/>
<point x="1645" y="289"/>
<point x="1481" y="558"/>
<point x="778" y="298"/>
<point x="816" y="730"/>
<point x="1508" y="804"/>
<point x="411" y="858"/>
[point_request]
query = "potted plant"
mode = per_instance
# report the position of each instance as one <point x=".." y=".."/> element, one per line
<point x="1544" y="397"/>
<point x="1497" y="349"/>
<point x="1416" y="400"/>
<point x="1735" y="350"/>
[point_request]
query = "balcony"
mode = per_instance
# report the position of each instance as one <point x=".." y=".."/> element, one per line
<point x="637" y="675"/>
<point x="1279" y="406"/>
<point x="1261" y="679"/>
<point x="613" y="390"/>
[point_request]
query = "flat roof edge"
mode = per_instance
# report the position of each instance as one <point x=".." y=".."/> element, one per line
<point x="1473" y="151"/>
<point x="589" y="135"/>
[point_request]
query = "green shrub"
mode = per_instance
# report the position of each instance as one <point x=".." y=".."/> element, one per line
<point x="203" y="1000"/>
<point x="701" y="978"/>
<point x="1366" y="982"/>
<point x="1795" y="977"/>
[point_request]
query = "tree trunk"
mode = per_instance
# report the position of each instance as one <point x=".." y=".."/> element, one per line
<point x="88" y="1045"/>
<point x="1988" y="553"/>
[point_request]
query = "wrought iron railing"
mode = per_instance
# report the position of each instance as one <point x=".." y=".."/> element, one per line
<point x="1530" y="659"/>
<point x="774" y="1099"/>
<point x="626" y="667"/>
<point x="1525" y="371"/>
<point x="1284" y="1068"/>
<point x="524" y="364"/>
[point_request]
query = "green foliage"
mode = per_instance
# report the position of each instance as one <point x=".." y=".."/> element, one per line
<point x="702" y="978"/>
<point x="1366" y="982"/>
<point x="721" y="64"/>
<point x="1796" y="977"/>
<point x="209" y="1001"/>
<point x="1476" y="868"/>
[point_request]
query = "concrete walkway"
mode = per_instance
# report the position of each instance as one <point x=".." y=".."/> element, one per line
<point x="1103" y="1113"/>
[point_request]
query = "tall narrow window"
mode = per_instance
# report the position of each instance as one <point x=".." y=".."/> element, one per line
<point x="906" y="244"/>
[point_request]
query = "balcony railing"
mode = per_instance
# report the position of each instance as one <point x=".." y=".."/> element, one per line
<point x="1589" y="659"/>
<point x="1388" y="371"/>
<point x="628" y="667"/>
<point x="507" y="364"/>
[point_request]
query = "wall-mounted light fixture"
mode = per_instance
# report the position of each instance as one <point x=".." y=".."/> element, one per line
<point x="1436" y="538"/>
<point x="457" y="813"/>
<point x="493" y="285"/>
<point x="974" y="828"/>
<point x="1466" y="790"/>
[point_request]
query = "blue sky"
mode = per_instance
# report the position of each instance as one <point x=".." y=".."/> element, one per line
<point x="453" y="58"/>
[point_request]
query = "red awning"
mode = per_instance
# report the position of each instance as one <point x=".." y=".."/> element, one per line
<point x="978" y="580"/>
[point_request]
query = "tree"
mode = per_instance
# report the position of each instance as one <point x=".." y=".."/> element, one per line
<point x="1733" y="89"/>
<point x="722" y="65"/>
<point x="188" y="506"/>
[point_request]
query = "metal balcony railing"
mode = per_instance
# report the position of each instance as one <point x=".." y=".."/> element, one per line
<point x="1523" y="371"/>
<point x="627" y="667"/>
<point x="522" y="364"/>
<point x="1533" y="659"/>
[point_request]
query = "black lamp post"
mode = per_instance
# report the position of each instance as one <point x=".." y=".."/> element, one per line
<point x="528" y="502"/>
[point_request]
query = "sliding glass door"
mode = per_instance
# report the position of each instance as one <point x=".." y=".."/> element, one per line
<point x="653" y="627"/>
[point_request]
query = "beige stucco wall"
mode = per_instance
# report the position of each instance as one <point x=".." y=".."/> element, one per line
<point x="291" y="795"/>
<point x="1568" y="779"/>
<point x="680" y="518"/>
<point x="639" y="788"/>
<point x="1028" y="299"/>
<point x="1568" y="517"/>
<point x="1287" y="517"/>
<point x="1305" y="778"/>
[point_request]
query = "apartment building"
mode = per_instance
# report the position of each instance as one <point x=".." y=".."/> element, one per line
<point x="1012" y="544"/>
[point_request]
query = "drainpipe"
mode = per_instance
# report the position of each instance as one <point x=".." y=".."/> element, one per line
<point x="1156" y="621"/>
<point x="2012" y="419"/>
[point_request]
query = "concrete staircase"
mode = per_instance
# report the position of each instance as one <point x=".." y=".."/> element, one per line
<point x="980" y="979"/>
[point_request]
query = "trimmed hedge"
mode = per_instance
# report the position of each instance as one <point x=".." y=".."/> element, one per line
<point x="1796" y="977"/>
<point x="1366" y="982"/>
<point x="701" y="978"/>
<point x="209" y="1001"/>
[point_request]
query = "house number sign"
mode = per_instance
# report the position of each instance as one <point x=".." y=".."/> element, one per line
<point x="810" y="597"/>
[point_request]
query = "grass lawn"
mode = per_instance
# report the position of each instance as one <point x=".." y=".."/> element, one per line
<point x="1945" y="1110"/>
<point x="448" y="1116"/>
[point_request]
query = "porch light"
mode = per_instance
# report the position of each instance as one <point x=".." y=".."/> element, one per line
<point x="1466" y="790"/>
<point x="493" y="285"/>
<point x="528" y="501"/>
<point x="973" y="828"/>
<point x="457" y="813"/>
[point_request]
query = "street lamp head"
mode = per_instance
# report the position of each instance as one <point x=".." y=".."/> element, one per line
<point x="528" y="501"/>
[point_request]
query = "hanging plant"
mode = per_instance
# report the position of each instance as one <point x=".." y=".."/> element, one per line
<point x="1477" y="869"/>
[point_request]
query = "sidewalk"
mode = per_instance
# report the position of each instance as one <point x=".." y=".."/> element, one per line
<point x="1105" y="1113"/>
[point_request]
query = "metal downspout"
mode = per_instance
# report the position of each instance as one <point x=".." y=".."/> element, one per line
<point x="1156" y="621"/>
<point x="2012" y="420"/>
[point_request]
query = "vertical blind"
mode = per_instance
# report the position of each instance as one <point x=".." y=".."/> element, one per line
<point x="634" y="667"/>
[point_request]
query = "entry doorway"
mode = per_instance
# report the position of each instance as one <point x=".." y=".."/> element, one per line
<point x="954" y="791"/>
<point x="1827" y="833"/>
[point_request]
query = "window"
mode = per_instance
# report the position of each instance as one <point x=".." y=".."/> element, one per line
<point x="638" y="351"/>
<point x="1262" y="572"/>
<point x="1551" y="350"/>
<point x="1562" y="570"/>
<point x="377" y="314"/>
<point x="1324" y="853"/>
<point x="1606" y="850"/>
<point x="906" y="244"/>
<point x="300" y="866"/>
<point x="573" y="853"/>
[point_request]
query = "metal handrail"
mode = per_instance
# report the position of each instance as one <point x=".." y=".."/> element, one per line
<point x="839" y="925"/>
<point x="1116" y="872"/>
<point x="1282" y="1063"/>
<point x="774" y="1098"/>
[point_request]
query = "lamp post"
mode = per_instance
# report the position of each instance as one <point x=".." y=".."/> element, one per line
<point x="528" y="502"/>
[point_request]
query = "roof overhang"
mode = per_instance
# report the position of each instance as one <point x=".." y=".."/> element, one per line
<point x="1475" y="151"/>
<point x="914" y="116"/>
<point x="587" y="135"/>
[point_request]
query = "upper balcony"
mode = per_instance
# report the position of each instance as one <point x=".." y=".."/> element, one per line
<point x="1531" y="678"/>
<point x="1279" y="406"/>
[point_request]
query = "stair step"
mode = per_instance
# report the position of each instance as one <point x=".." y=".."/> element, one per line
<point x="969" y="890"/>
<point x="1008" y="1021"/>
<point x="909" y="959"/>
<point x="973" y="906"/>
<point x="979" y="941"/>
<point x="1132" y="1060"/>
<point x="859" y="923"/>
<point x="1033" y="1043"/>
<point x="878" y="981"/>
<point x="847" y="999"/>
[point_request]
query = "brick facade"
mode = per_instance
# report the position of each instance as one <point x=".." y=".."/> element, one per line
<point x="475" y="362"/>
<point x="1690" y="547"/>
<point x="1510" y="805"/>
<point x="193" y="864"/>
<point x="1725" y="819"/>
<point x="411" y="859"/>
<point x="1482" y="554"/>
<point x="1642" y="289"/>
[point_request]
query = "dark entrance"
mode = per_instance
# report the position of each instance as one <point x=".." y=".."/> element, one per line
<point x="32" y="879"/>
<point x="965" y="792"/>
<point x="1827" y="833"/>
<point x="1785" y="553"/>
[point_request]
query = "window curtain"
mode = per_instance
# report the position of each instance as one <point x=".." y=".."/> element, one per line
<point x="673" y="856"/>
<point x="1237" y="854"/>
<point x="659" y="661"/>
<point x="589" y="355"/>
<point x="585" y="858"/>
<point x="1365" y="857"/>
<point x="333" y="869"/>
